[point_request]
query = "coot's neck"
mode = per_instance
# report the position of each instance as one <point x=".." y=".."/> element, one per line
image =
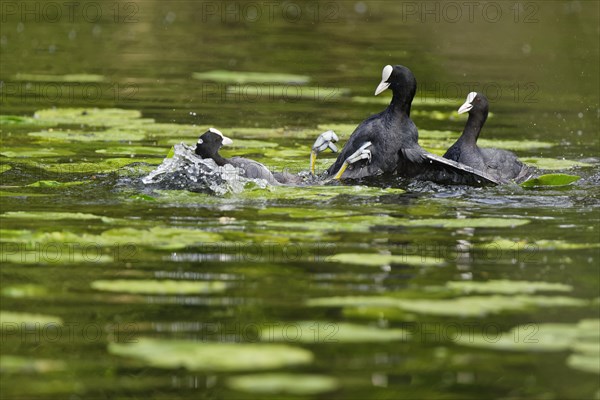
<point x="473" y="127"/>
<point x="401" y="104"/>
<point x="217" y="158"/>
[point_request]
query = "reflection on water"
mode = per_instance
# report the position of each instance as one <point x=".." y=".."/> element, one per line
<point x="376" y="274"/>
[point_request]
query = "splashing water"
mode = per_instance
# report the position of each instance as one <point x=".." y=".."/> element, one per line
<point x="186" y="170"/>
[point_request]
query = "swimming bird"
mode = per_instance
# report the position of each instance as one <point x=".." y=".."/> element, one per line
<point x="212" y="140"/>
<point x="387" y="143"/>
<point x="501" y="164"/>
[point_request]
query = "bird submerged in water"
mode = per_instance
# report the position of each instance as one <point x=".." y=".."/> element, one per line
<point x="387" y="143"/>
<point x="210" y="143"/>
<point x="501" y="164"/>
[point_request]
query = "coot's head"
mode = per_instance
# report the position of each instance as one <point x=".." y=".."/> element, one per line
<point x="210" y="142"/>
<point x="399" y="79"/>
<point x="475" y="103"/>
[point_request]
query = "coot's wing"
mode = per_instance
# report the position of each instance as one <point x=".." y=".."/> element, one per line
<point x="418" y="163"/>
<point x="253" y="169"/>
<point x="507" y="165"/>
<point x="456" y="172"/>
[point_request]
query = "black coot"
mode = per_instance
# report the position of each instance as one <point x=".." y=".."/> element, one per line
<point x="211" y="141"/>
<point x="388" y="142"/>
<point x="501" y="164"/>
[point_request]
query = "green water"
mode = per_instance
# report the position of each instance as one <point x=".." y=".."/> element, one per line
<point x="248" y="261"/>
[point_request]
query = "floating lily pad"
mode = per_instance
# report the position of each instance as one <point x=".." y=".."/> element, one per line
<point x="377" y="313"/>
<point x="18" y="120"/>
<point x="60" y="78"/>
<point x="514" y="144"/>
<point x="35" y="152"/>
<point x="127" y="150"/>
<point x="471" y="306"/>
<point x="11" y="320"/>
<point x="157" y="237"/>
<point x="553" y="163"/>
<point x="523" y="245"/>
<point x="56" y="253"/>
<point x="376" y="260"/>
<point x="159" y="286"/>
<point x="104" y="166"/>
<point x="551" y="180"/>
<point x="89" y="116"/>
<point x="288" y="92"/>
<point x="283" y="383"/>
<point x="25" y="365"/>
<point x="5" y="193"/>
<point x="89" y="136"/>
<point x="24" y="290"/>
<point x="55" y="184"/>
<point x="319" y="193"/>
<point x="52" y="216"/>
<point x="417" y="101"/>
<point x="207" y="356"/>
<point x="583" y="338"/>
<point x="507" y="286"/>
<point x="584" y="362"/>
<point x="329" y="332"/>
<point x="250" y="77"/>
<point x="467" y="222"/>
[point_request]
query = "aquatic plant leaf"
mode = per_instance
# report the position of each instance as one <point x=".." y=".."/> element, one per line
<point x="523" y="245"/>
<point x="467" y="222"/>
<point x="52" y="216"/>
<point x="514" y="144"/>
<point x="583" y="338"/>
<point x="18" y="120"/>
<point x="584" y="362"/>
<point x="127" y="150"/>
<point x="55" y="184"/>
<point x="208" y="356"/>
<point x="553" y="163"/>
<point x="158" y="237"/>
<point x="532" y="337"/>
<point x="11" y="320"/>
<point x="504" y="286"/>
<point x="4" y="193"/>
<point x="16" y="152"/>
<point x="377" y="313"/>
<point x="376" y="260"/>
<point x="10" y="364"/>
<point x="4" y="168"/>
<point x="89" y="116"/>
<point x="551" y="180"/>
<point x="89" y="136"/>
<point x="250" y="77"/>
<point x="290" y="92"/>
<point x="470" y="306"/>
<point x="24" y="290"/>
<point x="417" y="101"/>
<point x="149" y="286"/>
<point x="329" y="332"/>
<point x="283" y="383"/>
<point x="60" y="78"/>
<point x="57" y="255"/>
<point x="104" y="166"/>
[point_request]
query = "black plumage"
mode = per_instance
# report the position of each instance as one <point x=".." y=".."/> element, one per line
<point x="394" y="141"/>
<point x="210" y="143"/>
<point x="500" y="164"/>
